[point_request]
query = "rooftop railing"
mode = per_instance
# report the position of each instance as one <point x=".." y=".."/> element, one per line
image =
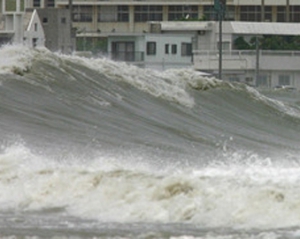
<point x="196" y="2"/>
<point x="135" y="56"/>
<point x="247" y="60"/>
<point x="246" y="53"/>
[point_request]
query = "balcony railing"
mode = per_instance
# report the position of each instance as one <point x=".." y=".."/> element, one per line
<point x="247" y="60"/>
<point x="197" y="2"/>
<point x="136" y="56"/>
<point x="235" y="53"/>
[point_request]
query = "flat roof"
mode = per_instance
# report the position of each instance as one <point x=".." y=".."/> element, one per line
<point x="234" y="27"/>
<point x="264" y="28"/>
<point x="185" y="26"/>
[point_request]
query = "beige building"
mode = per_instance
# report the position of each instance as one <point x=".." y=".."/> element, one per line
<point x="97" y="19"/>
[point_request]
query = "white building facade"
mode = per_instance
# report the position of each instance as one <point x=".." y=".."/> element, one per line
<point x="260" y="68"/>
<point x="154" y="51"/>
<point x="20" y="26"/>
<point x="34" y="35"/>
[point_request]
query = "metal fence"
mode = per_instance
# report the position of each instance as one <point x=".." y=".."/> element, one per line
<point x="246" y="53"/>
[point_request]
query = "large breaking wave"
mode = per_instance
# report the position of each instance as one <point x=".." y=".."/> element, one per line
<point x="97" y="139"/>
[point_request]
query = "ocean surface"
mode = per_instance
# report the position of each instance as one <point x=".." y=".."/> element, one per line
<point x="91" y="148"/>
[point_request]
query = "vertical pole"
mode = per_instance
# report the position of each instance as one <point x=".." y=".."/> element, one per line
<point x="220" y="15"/>
<point x="3" y="6"/>
<point x="71" y="10"/>
<point x="220" y="10"/>
<point x="257" y="60"/>
<point x="220" y="45"/>
<point x="72" y="31"/>
<point x="287" y="17"/>
<point x="18" y="7"/>
<point x="262" y="10"/>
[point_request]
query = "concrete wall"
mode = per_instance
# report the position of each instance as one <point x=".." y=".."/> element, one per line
<point x="57" y="27"/>
<point x="162" y="60"/>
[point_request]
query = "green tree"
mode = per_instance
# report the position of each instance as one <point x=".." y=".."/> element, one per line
<point x="269" y="42"/>
<point x="241" y="44"/>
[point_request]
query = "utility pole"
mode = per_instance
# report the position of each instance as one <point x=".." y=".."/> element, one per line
<point x="262" y="10"/>
<point x="287" y="17"/>
<point x="220" y="12"/>
<point x="71" y="10"/>
<point x="257" y="59"/>
<point x="71" y="16"/>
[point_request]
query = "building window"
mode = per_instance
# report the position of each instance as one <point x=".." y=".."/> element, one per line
<point x="34" y="42"/>
<point x="179" y="12"/>
<point x="284" y="80"/>
<point x="35" y="27"/>
<point x="268" y="14"/>
<point x="230" y="13"/>
<point x="36" y="3"/>
<point x="209" y="12"/>
<point x="82" y="13"/>
<point x="51" y="3"/>
<point x="123" y="14"/>
<point x="250" y="13"/>
<point x="151" y="48"/>
<point x="254" y="13"/>
<point x="166" y="48"/>
<point x="113" y="14"/>
<point x="186" y="49"/>
<point x="174" y="49"/>
<point x="262" y="81"/>
<point x="63" y="20"/>
<point x="147" y="13"/>
<point x="123" y="51"/>
<point x="45" y="20"/>
<point x="294" y="13"/>
<point x="281" y="14"/>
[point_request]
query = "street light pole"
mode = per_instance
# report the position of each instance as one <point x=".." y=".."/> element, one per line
<point x="220" y="9"/>
<point x="220" y="45"/>
<point x="71" y="10"/>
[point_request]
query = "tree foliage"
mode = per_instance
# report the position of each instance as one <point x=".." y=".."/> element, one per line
<point x="90" y="44"/>
<point x="269" y="42"/>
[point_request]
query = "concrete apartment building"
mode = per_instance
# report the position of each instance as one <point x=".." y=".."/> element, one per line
<point x="132" y="14"/>
<point x="97" y="19"/>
